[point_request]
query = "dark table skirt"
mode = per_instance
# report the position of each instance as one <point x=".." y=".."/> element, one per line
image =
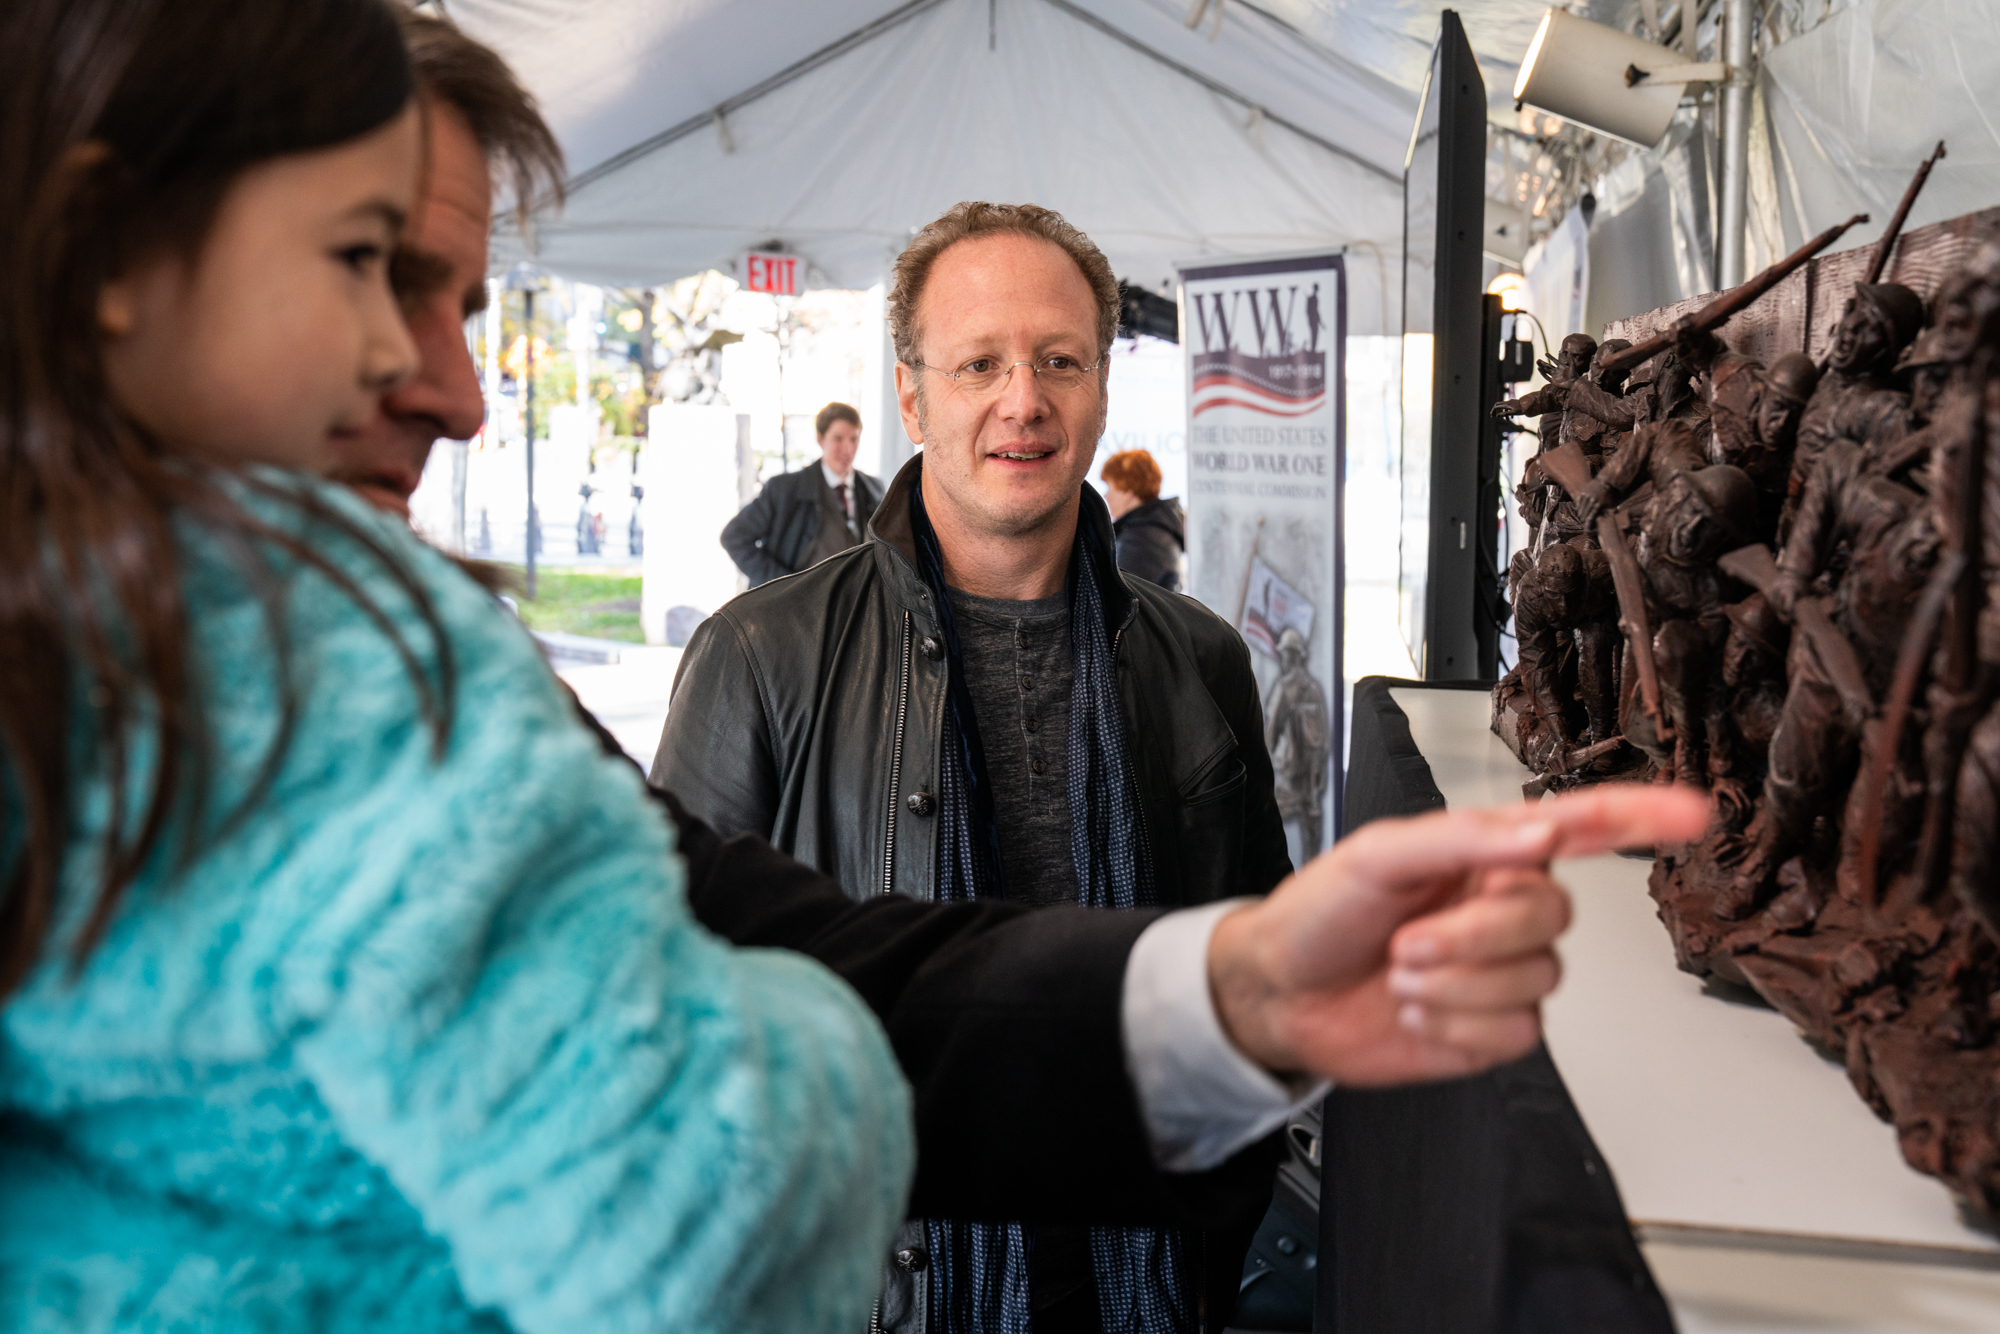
<point x="1478" y="1206"/>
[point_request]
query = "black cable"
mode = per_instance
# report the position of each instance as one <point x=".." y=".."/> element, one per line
<point x="1540" y="330"/>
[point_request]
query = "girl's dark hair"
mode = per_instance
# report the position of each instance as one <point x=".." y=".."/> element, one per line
<point x="122" y="123"/>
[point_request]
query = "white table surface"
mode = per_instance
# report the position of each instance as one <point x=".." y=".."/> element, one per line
<point x="1761" y="1183"/>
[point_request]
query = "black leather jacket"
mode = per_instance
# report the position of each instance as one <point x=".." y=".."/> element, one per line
<point x="810" y="712"/>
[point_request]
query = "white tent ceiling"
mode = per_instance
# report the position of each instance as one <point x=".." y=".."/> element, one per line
<point x="847" y="123"/>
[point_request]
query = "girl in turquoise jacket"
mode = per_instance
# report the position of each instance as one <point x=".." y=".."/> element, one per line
<point x="347" y="984"/>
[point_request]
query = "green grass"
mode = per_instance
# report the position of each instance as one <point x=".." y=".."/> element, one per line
<point x="579" y="602"/>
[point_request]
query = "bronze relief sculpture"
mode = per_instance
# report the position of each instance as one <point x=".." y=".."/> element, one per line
<point x="1780" y="581"/>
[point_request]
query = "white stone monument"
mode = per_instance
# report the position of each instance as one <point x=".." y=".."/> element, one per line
<point x="689" y="468"/>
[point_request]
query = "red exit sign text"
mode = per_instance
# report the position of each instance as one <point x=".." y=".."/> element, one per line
<point x="764" y="271"/>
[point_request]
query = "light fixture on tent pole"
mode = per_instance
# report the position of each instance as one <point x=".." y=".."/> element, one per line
<point x="1625" y="86"/>
<point x="1605" y="79"/>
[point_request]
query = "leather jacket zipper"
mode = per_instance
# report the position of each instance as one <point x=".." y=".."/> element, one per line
<point x="896" y="765"/>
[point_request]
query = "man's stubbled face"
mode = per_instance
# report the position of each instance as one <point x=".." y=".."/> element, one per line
<point x="439" y="272"/>
<point x="1011" y="462"/>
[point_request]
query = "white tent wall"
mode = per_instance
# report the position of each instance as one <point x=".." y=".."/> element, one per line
<point x="1858" y="101"/>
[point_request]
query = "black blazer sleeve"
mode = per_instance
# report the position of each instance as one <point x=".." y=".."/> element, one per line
<point x="748" y="537"/>
<point x="1006" y="1020"/>
<point x="868" y="491"/>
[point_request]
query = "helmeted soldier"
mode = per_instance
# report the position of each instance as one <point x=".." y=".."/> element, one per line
<point x="1546" y="404"/>
<point x="1694" y="516"/>
<point x="1749" y="707"/>
<point x="1656" y="451"/>
<point x="1595" y="410"/>
<point x="1295" y="729"/>
<point x="1857" y="398"/>
<point x="1565" y="621"/>
<point x="1966" y="335"/>
<point x="1867" y="503"/>
<point x="1596" y="420"/>
<point x="1754" y="417"/>
<point x="1573" y="358"/>
<point x="1600" y="407"/>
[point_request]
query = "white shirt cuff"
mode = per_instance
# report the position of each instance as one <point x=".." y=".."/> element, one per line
<point x="1203" y="1100"/>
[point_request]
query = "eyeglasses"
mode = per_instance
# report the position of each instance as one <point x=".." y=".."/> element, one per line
<point x="982" y="376"/>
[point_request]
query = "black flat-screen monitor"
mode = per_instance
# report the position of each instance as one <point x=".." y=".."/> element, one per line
<point x="1446" y="590"/>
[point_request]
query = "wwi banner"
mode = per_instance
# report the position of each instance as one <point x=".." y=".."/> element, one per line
<point x="1267" y="407"/>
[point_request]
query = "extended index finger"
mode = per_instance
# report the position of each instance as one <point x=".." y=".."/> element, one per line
<point x="1625" y="815"/>
<point x="1422" y="848"/>
<point x="1580" y="824"/>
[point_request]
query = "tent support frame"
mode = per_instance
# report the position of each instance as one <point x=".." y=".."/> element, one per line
<point x="1220" y="89"/>
<point x="718" y="114"/>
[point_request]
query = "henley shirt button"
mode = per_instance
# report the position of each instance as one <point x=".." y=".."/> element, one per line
<point x="1020" y="639"/>
<point x="912" y="1259"/>
<point x="1030" y="724"/>
<point x="1027" y="682"/>
<point x="921" y="803"/>
<point x="1039" y="767"/>
<point x="932" y="649"/>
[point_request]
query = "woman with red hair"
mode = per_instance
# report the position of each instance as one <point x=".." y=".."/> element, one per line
<point x="1152" y="533"/>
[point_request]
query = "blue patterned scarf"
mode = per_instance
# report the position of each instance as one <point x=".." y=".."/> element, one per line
<point x="979" y="1271"/>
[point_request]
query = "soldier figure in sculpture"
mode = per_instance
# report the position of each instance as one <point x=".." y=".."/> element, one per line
<point x="1966" y="415"/>
<point x="1754" y="411"/>
<point x="1546" y="404"/>
<point x="1868" y="505"/>
<point x="1667" y="438"/>
<point x="1857" y="398"/>
<point x="1600" y="407"/>
<point x="1573" y="359"/>
<point x="1565" y="620"/>
<point x="1296" y="731"/>
<point x="1694" y="516"/>
<point x="1752" y="703"/>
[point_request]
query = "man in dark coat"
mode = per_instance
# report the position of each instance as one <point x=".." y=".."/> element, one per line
<point x="802" y="517"/>
<point x="1151" y="532"/>
<point x="978" y="703"/>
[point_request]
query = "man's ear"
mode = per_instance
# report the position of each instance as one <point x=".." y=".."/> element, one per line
<point x="906" y="401"/>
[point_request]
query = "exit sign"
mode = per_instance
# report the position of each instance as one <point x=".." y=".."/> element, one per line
<point x="764" y="271"/>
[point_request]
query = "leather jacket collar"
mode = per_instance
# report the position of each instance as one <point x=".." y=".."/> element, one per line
<point x="890" y="532"/>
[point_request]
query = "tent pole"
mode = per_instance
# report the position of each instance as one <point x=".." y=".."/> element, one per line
<point x="1739" y="27"/>
<point x="528" y="414"/>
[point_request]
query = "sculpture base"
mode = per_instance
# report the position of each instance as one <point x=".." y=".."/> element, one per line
<point x="1900" y="994"/>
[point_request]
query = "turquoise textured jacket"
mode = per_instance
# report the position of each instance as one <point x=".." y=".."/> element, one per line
<point x="426" y="1042"/>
